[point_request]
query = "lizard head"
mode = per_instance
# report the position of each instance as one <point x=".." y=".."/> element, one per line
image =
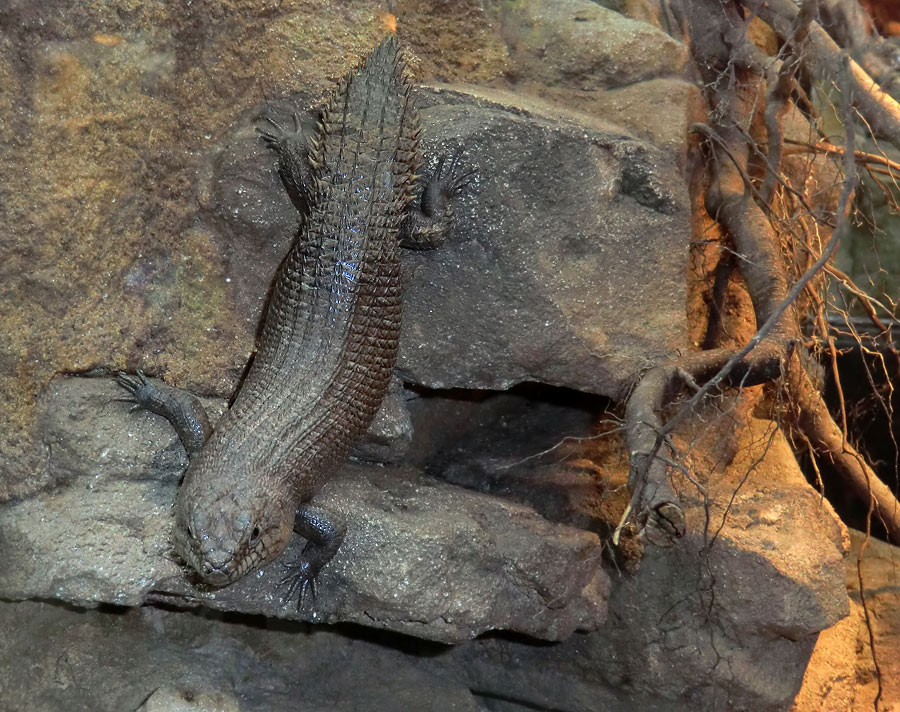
<point x="224" y="535"/>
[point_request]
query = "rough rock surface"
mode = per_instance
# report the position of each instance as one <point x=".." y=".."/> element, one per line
<point x="421" y="557"/>
<point x="542" y="273"/>
<point x="539" y="281"/>
<point x="881" y="578"/>
<point x="142" y="217"/>
<point x="829" y="683"/>
<point x="610" y="59"/>
<point x="163" y="661"/>
<point x="587" y="45"/>
<point x="714" y="639"/>
<point x="726" y="620"/>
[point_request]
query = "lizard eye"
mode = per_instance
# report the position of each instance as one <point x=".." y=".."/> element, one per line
<point x="190" y="533"/>
<point x="254" y="536"/>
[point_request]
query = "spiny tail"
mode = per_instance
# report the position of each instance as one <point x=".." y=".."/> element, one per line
<point x="369" y="119"/>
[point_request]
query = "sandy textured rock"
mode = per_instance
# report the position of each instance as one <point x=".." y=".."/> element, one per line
<point x="421" y="557"/>
<point x="829" y="683"/>
<point x="653" y="110"/>
<point x="583" y="44"/>
<point x="881" y="577"/>
<point x="622" y="60"/>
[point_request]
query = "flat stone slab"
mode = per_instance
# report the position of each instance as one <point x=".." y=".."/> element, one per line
<point x="421" y="557"/>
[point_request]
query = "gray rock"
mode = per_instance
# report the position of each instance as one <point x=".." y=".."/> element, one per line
<point x="173" y="699"/>
<point x="57" y="659"/>
<point x="550" y="275"/>
<point x="726" y="620"/>
<point x="390" y="435"/>
<point x="582" y="44"/>
<point x="421" y="556"/>
<point x="525" y="290"/>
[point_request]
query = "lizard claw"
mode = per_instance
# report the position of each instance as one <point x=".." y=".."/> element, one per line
<point x="139" y="389"/>
<point x="299" y="577"/>
<point x="278" y="134"/>
<point x="455" y="180"/>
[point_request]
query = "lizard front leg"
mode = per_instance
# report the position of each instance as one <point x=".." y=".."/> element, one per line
<point x="324" y="531"/>
<point x="182" y="409"/>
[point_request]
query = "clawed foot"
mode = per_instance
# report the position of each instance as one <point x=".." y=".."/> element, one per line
<point x="291" y="148"/>
<point x="140" y="390"/>
<point x="302" y="577"/>
<point x="456" y="179"/>
<point x="279" y="135"/>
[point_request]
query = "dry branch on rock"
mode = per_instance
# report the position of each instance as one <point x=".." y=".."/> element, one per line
<point x="744" y="94"/>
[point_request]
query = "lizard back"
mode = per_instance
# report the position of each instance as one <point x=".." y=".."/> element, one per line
<point x="330" y="336"/>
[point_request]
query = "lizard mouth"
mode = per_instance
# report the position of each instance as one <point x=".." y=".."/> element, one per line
<point x="202" y="573"/>
<point x="216" y="579"/>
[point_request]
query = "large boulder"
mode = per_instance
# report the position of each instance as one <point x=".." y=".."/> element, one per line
<point x="725" y="620"/>
<point x="550" y="274"/>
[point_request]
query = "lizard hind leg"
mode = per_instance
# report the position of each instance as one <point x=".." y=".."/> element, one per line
<point x="428" y="223"/>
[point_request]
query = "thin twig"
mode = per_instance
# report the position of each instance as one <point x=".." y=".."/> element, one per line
<point x="861" y="156"/>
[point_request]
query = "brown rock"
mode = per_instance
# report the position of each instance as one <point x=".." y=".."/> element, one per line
<point x="582" y="44"/>
<point x="882" y="585"/>
<point x="829" y="683"/>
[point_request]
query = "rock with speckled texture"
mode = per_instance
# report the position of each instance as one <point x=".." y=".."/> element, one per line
<point x="421" y="556"/>
<point x="566" y="264"/>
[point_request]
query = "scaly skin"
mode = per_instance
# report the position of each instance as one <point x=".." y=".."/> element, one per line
<point x="329" y="339"/>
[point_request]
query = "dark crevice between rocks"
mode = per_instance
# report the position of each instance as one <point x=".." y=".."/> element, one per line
<point x="518" y="702"/>
<point x="389" y="640"/>
<point x="68" y="605"/>
<point x="407" y="644"/>
<point x="870" y="405"/>
<point x="542" y="446"/>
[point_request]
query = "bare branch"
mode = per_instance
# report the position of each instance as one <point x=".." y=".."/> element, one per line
<point x="769" y="354"/>
<point x="880" y="109"/>
<point x="860" y="156"/>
